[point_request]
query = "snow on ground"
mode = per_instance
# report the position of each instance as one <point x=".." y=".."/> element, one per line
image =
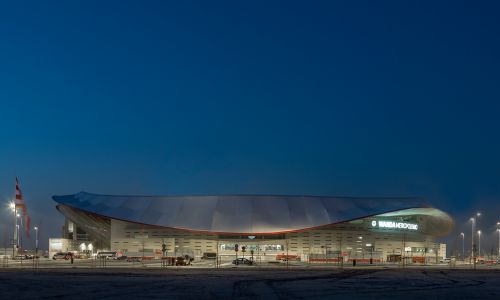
<point x="247" y="283"/>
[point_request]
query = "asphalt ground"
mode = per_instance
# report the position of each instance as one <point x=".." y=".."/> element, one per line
<point x="250" y="283"/>
<point x="210" y="264"/>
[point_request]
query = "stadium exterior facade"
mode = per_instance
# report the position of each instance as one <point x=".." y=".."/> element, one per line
<point x="306" y="227"/>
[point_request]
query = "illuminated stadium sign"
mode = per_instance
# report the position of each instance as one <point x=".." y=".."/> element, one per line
<point x="394" y="225"/>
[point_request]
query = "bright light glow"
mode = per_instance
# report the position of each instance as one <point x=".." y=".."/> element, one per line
<point x="82" y="247"/>
<point x="12" y="206"/>
<point x="462" y="234"/>
<point x="479" y="232"/>
<point x="397" y="225"/>
<point x="18" y="215"/>
<point x="478" y="214"/>
<point x="55" y="245"/>
<point x="36" y="228"/>
<point x="90" y="247"/>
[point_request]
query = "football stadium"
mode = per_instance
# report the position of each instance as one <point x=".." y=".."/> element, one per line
<point x="261" y="227"/>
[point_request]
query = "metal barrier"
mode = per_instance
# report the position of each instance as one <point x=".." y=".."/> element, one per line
<point x="36" y="262"/>
<point x="102" y="262"/>
<point x="5" y="262"/>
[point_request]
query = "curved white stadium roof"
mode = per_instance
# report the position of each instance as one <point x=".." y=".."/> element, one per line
<point x="250" y="214"/>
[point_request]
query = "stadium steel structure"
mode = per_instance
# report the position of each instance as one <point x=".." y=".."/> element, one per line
<point x="307" y="226"/>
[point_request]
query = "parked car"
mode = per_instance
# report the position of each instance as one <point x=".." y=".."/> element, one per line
<point x="243" y="261"/>
<point x="82" y="256"/>
<point x="446" y="260"/>
<point x="123" y="257"/>
<point x="62" y="255"/>
<point x="134" y="259"/>
<point x="183" y="260"/>
<point x="209" y="255"/>
<point x="107" y="254"/>
<point x="290" y="257"/>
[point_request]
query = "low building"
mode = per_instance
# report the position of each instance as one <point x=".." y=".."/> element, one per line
<point x="308" y="228"/>
<point x="61" y="245"/>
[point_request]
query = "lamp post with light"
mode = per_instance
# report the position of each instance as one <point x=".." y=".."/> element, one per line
<point x="463" y="245"/>
<point x="479" y="242"/>
<point x="12" y="207"/>
<point x="498" y="230"/>
<point x="35" y="259"/>
<point x="498" y="257"/>
<point x="19" y="225"/>
<point x="473" y="245"/>
<point x="17" y="234"/>
<point x="36" y="240"/>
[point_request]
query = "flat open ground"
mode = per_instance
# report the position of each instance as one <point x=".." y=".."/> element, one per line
<point x="247" y="283"/>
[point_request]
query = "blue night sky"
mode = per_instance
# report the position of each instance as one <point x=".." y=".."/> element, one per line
<point x="354" y="98"/>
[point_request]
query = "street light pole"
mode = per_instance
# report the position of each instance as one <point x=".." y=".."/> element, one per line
<point x="20" y="233"/>
<point x="473" y="221"/>
<point x="35" y="259"/>
<point x="12" y="206"/>
<point x="463" y="245"/>
<point x="36" y="241"/>
<point x="473" y="250"/>
<point x="17" y="230"/>
<point x="498" y="229"/>
<point x="479" y="240"/>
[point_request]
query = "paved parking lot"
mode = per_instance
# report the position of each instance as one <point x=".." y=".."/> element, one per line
<point x="250" y="283"/>
<point x="210" y="264"/>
